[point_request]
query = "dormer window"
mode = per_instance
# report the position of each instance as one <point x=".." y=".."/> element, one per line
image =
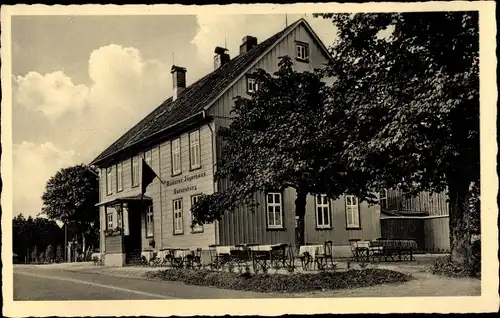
<point x="252" y="86"/>
<point x="302" y="50"/>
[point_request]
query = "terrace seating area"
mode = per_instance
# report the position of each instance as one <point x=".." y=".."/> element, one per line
<point x="261" y="258"/>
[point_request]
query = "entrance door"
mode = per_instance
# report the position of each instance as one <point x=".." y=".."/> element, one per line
<point x="132" y="242"/>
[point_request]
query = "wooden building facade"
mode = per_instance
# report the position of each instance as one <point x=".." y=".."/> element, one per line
<point x="424" y="218"/>
<point x="178" y="141"/>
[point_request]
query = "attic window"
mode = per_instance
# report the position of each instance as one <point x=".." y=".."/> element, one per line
<point x="251" y="84"/>
<point x="302" y="50"/>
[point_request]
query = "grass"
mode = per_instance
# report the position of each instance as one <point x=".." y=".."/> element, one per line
<point x="280" y="282"/>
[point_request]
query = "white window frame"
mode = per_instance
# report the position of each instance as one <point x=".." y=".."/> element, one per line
<point x="271" y="208"/>
<point x="109" y="220"/>
<point x="178" y="216"/>
<point x="194" y="149"/>
<point x="197" y="228"/>
<point x="352" y="212"/>
<point x="150" y="221"/>
<point x="302" y="50"/>
<point x="109" y="182"/>
<point x="323" y="207"/>
<point x="175" y="154"/>
<point x="135" y="171"/>
<point x="119" y="220"/>
<point x="119" y="177"/>
<point x="252" y="85"/>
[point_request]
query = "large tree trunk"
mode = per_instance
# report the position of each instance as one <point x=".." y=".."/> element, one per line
<point x="459" y="222"/>
<point x="300" y="212"/>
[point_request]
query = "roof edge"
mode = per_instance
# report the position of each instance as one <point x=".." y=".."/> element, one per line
<point x="291" y="28"/>
<point x="159" y="132"/>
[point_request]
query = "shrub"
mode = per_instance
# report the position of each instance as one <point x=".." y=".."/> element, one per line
<point x="41" y="258"/>
<point x="446" y="266"/>
<point x="280" y="282"/>
<point x="49" y="253"/>
<point x="59" y="254"/>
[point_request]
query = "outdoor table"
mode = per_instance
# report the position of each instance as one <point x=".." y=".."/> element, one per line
<point x="260" y="254"/>
<point x="363" y="250"/>
<point x="310" y="251"/>
<point x="182" y="253"/>
<point x="263" y="248"/>
<point x="223" y="249"/>
<point x="398" y="245"/>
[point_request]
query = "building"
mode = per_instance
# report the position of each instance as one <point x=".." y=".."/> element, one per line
<point x="178" y="141"/>
<point x="424" y="218"/>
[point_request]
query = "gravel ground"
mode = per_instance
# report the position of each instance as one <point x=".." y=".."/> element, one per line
<point x="425" y="284"/>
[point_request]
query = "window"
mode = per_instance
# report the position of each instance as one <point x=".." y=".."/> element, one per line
<point x="109" y="189"/>
<point x="252" y="85"/>
<point x="274" y="210"/>
<point x="109" y="221"/>
<point x="302" y="51"/>
<point x="352" y="211"/>
<point x="178" y="224"/>
<point x="176" y="156"/>
<point x="135" y="171"/>
<point x="322" y="211"/>
<point x="119" y="176"/>
<point x="148" y="158"/>
<point x="196" y="228"/>
<point x="119" y="219"/>
<point x="149" y="221"/>
<point x="194" y="149"/>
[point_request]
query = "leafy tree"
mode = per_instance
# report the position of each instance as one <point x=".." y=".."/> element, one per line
<point x="285" y="135"/>
<point x="70" y="196"/>
<point x="409" y="84"/>
<point x="30" y="232"/>
<point x="59" y="254"/>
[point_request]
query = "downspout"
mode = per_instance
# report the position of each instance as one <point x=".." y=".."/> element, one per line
<point x="214" y="188"/>
<point x="161" y="204"/>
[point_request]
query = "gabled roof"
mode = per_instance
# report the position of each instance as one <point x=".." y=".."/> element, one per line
<point x="196" y="98"/>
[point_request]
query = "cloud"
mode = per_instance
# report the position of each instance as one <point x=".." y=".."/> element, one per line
<point x="33" y="165"/>
<point x="124" y="88"/>
<point x="53" y="94"/>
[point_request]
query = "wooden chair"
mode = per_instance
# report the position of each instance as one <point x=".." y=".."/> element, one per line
<point x="376" y="250"/>
<point x="305" y="259"/>
<point x="214" y="257"/>
<point x="322" y="259"/>
<point x="354" y="249"/>
<point x="279" y="256"/>
<point x="154" y="260"/>
<point x="241" y="255"/>
<point x="193" y="259"/>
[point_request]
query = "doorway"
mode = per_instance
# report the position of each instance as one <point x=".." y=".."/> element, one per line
<point x="133" y="241"/>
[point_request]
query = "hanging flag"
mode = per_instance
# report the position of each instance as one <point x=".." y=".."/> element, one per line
<point x="147" y="177"/>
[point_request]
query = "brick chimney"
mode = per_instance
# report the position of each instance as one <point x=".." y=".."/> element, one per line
<point x="248" y="42"/>
<point x="221" y="57"/>
<point x="178" y="80"/>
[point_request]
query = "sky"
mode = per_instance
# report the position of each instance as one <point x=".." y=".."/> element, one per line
<point x="80" y="82"/>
